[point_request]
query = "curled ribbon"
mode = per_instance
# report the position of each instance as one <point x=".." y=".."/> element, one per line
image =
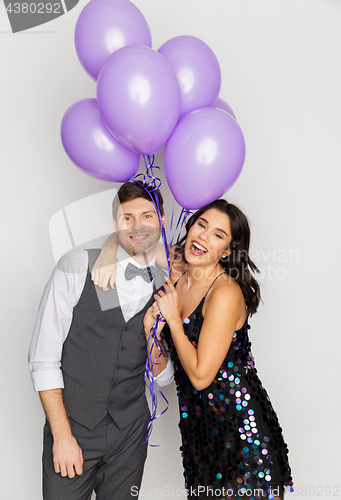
<point x="154" y="184"/>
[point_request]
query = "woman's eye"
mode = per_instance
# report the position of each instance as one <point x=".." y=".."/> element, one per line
<point x="201" y="225"/>
<point x="218" y="235"/>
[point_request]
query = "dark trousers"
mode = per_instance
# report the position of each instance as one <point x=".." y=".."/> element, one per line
<point x="113" y="462"/>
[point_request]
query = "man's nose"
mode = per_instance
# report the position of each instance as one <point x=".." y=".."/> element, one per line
<point x="137" y="226"/>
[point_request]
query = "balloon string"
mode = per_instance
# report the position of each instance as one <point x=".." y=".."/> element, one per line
<point x="181" y="222"/>
<point x="154" y="184"/>
<point x="149" y="376"/>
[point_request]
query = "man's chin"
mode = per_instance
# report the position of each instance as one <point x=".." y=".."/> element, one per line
<point x="139" y="249"/>
<point x="142" y="250"/>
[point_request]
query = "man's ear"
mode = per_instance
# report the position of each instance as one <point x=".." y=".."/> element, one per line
<point x="114" y="224"/>
<point x="163" y="219"/>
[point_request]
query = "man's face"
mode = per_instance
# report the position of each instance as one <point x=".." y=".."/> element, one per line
<point x="137" y="226"/>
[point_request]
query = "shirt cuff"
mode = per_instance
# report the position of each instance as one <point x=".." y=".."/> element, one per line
<point x="47" y="379"/>
<point x="166" y="377"/>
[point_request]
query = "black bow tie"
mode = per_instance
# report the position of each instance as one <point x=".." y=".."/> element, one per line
<point x="147" y="273"/>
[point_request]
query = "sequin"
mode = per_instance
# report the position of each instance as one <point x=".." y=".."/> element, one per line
<point x="186" y="321"/>
<point x="225" y="428"/>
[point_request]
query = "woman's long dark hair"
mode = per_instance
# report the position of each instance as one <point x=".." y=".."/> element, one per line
<point x="238" y="264"/>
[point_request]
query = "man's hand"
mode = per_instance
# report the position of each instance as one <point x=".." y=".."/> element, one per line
<point x="149" y="320"/>
<point x="67" y="457"/>
<point x="104" y="270"/>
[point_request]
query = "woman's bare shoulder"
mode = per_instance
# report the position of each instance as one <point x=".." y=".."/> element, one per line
<point x="224" y="290"/>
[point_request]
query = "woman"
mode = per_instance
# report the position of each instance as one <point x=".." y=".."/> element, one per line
<point x="231" y="438"/>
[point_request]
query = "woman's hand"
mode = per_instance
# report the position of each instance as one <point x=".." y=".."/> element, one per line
<point x="104" y="270"/>
<point x="149" y="320"/>
<point x="168" y="303"/>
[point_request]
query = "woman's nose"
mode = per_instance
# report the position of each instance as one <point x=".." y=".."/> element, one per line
<point x="203" y="236"/>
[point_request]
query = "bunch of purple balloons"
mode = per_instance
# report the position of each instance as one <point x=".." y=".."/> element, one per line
<point x="147" y="99"/>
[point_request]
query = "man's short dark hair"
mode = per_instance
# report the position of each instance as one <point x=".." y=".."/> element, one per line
<point x="131" y="191"/>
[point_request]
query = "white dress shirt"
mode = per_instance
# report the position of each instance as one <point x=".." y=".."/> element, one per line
<point x="55" y="312"/>
<point x="133" y="294"/>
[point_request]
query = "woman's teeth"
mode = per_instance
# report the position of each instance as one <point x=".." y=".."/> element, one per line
<point x="199" y="247"/>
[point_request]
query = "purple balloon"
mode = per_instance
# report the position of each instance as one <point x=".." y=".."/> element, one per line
<point x="221" y="104"/>
<point x="105" y="26"/>
<point x="197" y="70"/>
<point x="92" y="148"/>
<point x="139" y="98"/>
<point x="203" y="157"/>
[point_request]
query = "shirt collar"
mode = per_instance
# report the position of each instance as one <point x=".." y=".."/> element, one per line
<point x="124" y="258"/>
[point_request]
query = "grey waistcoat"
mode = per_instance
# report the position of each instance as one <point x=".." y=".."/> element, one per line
<point x="103" y="358"/>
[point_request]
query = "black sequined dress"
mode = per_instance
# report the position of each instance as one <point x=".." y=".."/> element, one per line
<point x="231" y="437"/>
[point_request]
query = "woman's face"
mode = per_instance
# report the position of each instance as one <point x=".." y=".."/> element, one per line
<point x="208" y="238"/>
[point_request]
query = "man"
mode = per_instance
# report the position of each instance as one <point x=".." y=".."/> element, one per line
<point x="87" y="359"/>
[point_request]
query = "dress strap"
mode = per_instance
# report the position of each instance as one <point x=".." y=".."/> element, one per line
<point x="215" y="279"/>
<point x="181" y="275"/>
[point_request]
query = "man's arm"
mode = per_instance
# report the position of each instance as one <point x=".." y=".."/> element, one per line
<point x="154" y="354"/>
<point x="51" y="329"/>
<point x="67" y="455"/>
<point x="166" y="377"/>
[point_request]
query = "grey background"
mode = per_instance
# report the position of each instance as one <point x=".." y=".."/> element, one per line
<point x="281" y="75"/>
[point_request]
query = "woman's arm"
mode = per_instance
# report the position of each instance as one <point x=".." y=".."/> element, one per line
<point x="224" y="308"/>
<point x="104" y="270"/>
